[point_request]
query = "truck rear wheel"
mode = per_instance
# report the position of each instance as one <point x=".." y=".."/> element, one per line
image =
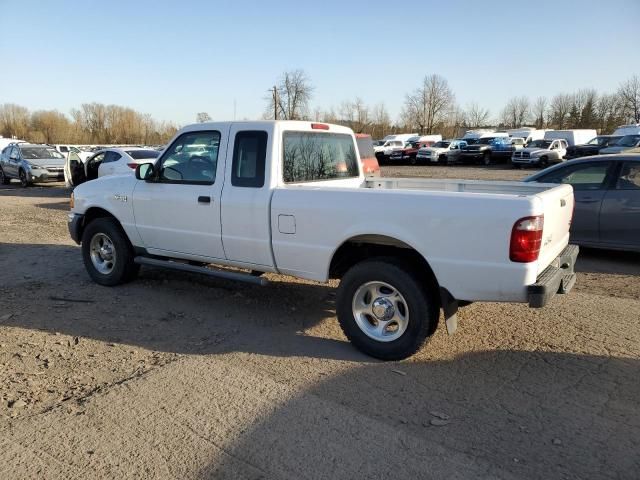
<point x="486" y="159"/>
<point x="107" y="253"/>
<point x="385" y="310"/>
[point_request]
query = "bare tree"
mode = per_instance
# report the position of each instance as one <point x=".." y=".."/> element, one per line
<point x="429" y="104"/>
<point x="559" y="110"/>
<point x="289" y="100"/>
<point x="629" y="93"/>
<point x="381" y="121"/>
<point x="51" y="125"/>
<point x="476" y="116"/>
<point x="14" y="120"/>
<point x="202" y="117"/>
<point x="539" y="111"/>
<point x="516" y="112"/>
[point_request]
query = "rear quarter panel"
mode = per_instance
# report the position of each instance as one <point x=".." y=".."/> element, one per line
<point x="463" y="236"/>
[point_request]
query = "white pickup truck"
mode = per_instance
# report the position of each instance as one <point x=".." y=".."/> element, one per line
<point x="290" y="197"/>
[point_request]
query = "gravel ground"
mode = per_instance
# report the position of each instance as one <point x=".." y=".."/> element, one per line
<point x="175" y="376"/>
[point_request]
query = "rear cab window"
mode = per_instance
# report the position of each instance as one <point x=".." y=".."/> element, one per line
<point x="318" y="156"/>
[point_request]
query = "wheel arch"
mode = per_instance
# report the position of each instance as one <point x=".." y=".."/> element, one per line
<point x="93" y="213"/>
<point x="364" y="246"/>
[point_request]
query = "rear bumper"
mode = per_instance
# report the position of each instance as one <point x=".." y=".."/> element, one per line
<point x="557" y="278"/>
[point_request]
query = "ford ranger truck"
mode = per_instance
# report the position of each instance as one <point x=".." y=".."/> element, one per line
<point x="291" y="198"/>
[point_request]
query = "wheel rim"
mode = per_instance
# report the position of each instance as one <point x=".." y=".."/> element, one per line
<point x="23" y="178"/>
<point x="103" y="253"/>
<point x="487" y="160"/>
<point x="380" y="311"/>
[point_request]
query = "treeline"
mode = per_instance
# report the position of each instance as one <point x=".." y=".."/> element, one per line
<point x="92" y="123"/>
<point x="432" y="108"/>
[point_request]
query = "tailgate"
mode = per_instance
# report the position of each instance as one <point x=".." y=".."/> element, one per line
<point x="557" y="203"/>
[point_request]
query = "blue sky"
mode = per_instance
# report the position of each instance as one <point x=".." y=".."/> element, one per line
<point x="174" y="59"/>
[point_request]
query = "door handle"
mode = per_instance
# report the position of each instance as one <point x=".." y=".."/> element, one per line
<point x="204" y="199"/>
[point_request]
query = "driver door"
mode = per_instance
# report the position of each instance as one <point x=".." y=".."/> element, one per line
<point x="177" y="211"/>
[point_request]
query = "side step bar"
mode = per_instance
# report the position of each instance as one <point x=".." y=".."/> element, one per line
<point x="183" y="267"/>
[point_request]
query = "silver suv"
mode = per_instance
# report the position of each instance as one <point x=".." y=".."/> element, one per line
<point x="31" y="163"/>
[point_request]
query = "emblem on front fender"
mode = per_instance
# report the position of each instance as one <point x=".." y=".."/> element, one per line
<point x="122" y="198"/>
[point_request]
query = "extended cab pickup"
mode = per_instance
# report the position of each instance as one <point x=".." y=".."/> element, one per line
<point x="291" y="197"/>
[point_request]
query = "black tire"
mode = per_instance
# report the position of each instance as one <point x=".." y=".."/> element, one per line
<point x="516" y="166"/>
<point x="124" y="269"/>
<point x="24" y="181"/>
<point x="486" y="159"/>
<point x="4" y="180"/>
<point x="419" y="295"/>
<point x="544" y="162"/>
<point x="413" y="160"/>
<point x="443" y="160"/>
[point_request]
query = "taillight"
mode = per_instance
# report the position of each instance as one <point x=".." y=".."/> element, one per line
<point x="319" y="126"/>
<point x="526" y="239"/>
<point x="132" y="166"/>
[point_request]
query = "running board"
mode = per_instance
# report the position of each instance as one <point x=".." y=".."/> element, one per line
<point x="184" y="267"/>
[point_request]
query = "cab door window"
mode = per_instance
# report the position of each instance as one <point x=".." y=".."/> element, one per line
<point x="191" y="159"/>
<point x="249" y="155"/>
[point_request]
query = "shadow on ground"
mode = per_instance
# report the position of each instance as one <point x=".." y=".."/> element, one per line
<point x="46" y="287"/>
<point x="613" y="262"/>
<point x="52" y="190"/>
<point x="500" y="414"/>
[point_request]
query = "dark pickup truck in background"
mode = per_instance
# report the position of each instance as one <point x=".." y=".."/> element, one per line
<point x="592" y="147"/>
<point x="488" y="150"/>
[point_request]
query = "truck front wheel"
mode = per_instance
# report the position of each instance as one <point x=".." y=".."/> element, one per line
<point x="107" y="254"/>
<point x="486" y="159"/>
<point x="385" y="310"/>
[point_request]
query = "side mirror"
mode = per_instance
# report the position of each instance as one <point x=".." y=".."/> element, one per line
<point x="145" y="171"/>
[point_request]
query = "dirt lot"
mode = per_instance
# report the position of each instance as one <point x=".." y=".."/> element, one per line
<point x="175" y="376"/>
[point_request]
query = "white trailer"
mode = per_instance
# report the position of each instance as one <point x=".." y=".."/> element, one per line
<point x="573" y="137"/>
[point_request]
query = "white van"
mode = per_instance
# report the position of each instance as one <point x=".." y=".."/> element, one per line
<point x="529" y="134"/>
<point x="403" y="137"/>
<point x="623" y="130"/>
<point x="430" y="139"/>
<point x="573" y="137"/>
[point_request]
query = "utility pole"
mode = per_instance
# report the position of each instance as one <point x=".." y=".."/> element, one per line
<point x="275" y="103"/>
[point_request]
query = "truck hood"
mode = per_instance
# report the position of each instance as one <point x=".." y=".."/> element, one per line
<point x="533" y="151"/>
<point x="434" y="150"/>
<point x="614" y="149"/>
<point x="475" y="148"/>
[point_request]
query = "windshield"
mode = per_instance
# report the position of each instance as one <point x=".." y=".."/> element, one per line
<point x="539" y="144"/>
<point x="628" y="141"/>
<point x="486" y="141"/>
<point x="35" y="153"/>
<point x="442" y="144"/>
<point x="140" y="154"/>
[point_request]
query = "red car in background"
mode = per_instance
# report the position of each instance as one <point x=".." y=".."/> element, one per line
<point x="409" y="152"/>
<point x="370" y="164"/>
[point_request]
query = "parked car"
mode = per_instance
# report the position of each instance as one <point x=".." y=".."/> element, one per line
<point x="446" y="151"/>
<point x="368" y="158"/>
<point x="295" y="201"/>
<point x="110" y="161"/>
<point x="408" y="153"/>
<point x="31" y="163"/>
<point x="386" y="149"/>
<point x="592" y="147"/>
<point x="632" y="129"/>
<point x="625" y="143"/>
<point x="607" y="196"/>
<point x="66" y="149"/>
<point x="540" y="152"/>
<point x="488" y="150"/>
